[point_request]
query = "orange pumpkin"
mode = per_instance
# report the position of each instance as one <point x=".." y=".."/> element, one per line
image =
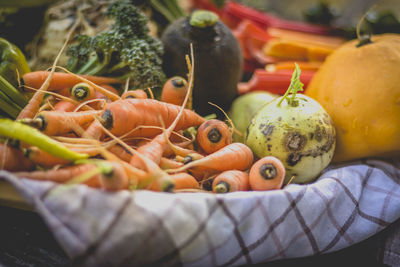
<point x="359" y="86"/>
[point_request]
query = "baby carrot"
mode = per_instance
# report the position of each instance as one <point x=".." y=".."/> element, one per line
<point x="122" y="116"/>
<point x="167" y="163"/>
<point x="62" y="175"/>
<point x="174" y="90"/>
<point x="213" y="135"/>
<point x="82" y="92"/>
<point x="12" y="159"/>
<point x="231" y="181"/>
<point x="138" y="93"/>
<point x="184" y="180"/>
<point x="115" y="179"/>
<point x="267" y="173"/>
<point x="236" y="156"/>
<point x="64" y="105"/>
<point x="120" y="152"/>
<point x="59" y="122"/>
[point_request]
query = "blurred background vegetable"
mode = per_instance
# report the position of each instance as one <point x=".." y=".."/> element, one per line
<point x="125" y="50"/>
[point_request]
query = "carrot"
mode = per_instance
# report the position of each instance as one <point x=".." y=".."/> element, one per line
<point x="174" y="90"/>
<point x="94" y="131"/>
<point x="154" y="178"/>
<point x="12" y="159"/>
<point x="231" y="181"/>
<point x="43" y="158"/>
<point x="82" y="92"/>
<point x="124" y="115"/>
<point x="235" y="156"/>
<point x="167" y="163"/>
<point x="155" y="148"/>
<point x="112" y="96"/>
<point x="61" y="80"/>
<point x="213" y="135"/>
<point x="110" y="88"/>
<point x="64" y="92"/>
<point x="120" y="152"/>
<point x="267" y="173"/>
<point x="138" y="93"/>
<point x="63" y="175"/>
<point x="64" y="105"/>
<point x="115" y="179"/>
<point x="58" y="122"/>
<point x="174" y="148"/>
<point x="30" y="110"/>
<point x="184" y="180"/>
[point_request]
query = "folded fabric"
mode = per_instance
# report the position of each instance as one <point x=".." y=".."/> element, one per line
<point x="347" y="204"/>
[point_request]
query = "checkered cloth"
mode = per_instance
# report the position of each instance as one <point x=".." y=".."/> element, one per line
<point x="347" y="204"/>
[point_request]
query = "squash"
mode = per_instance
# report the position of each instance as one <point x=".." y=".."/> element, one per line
<point x="359" y="87"/>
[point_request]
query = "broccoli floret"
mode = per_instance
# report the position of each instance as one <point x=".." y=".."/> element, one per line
<point x="126" y="50"/>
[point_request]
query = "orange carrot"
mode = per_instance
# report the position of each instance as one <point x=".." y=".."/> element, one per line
<point x="94" y="131"/>
<point x="112" y="96"/>
<point x="122" y="116"/>
<point x="167" y="163"/>
<point x="155" y="148"/>
<point x="174" y="90"/>
<point x="172" y="149"/>
<point x="213" y="135"/>
<point x="12" y="159"/>
<point x="44" y="159"/>
<point x="117" y="179"/>
<point x="138" y="93"/>
<point x="82" y="92"/>
<point x="63" y="175"/>
<point x="64" y="92"/>
<point x="61" y="80"/>
<point x="267" y="173"/>
<point x="231" y="181"/>
<point x="64" y="105"/>
<point x="154" y="178"/>
<point x="120" y="152"/>
<point x="235" y="156"/>
<point x="30" y="110"/>
<point x="59" y="122"/>
<point x="110" y="88"/>
<point x="184" y="180"/>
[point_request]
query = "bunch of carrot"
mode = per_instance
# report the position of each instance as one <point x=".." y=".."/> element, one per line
<point x="87" y="131"/>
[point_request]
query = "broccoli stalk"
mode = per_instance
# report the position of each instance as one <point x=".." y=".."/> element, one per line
<point x="126" y="50"/>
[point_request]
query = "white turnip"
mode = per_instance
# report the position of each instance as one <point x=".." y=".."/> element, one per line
<point x="297" y="130"/>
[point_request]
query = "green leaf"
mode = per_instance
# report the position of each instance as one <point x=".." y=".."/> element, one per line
<point x="295" y="86"/>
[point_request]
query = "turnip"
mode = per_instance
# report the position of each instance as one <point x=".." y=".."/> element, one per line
<point x="243" y="109"/>
<point x="297" y="130"/>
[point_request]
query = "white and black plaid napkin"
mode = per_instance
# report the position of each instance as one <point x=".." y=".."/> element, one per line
<point x="347" y="204"/>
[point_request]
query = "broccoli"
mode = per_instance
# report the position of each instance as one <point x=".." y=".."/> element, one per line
<point x="126" y="50"/>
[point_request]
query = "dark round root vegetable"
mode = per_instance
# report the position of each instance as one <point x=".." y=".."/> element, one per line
<point x="217" y="55"/>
